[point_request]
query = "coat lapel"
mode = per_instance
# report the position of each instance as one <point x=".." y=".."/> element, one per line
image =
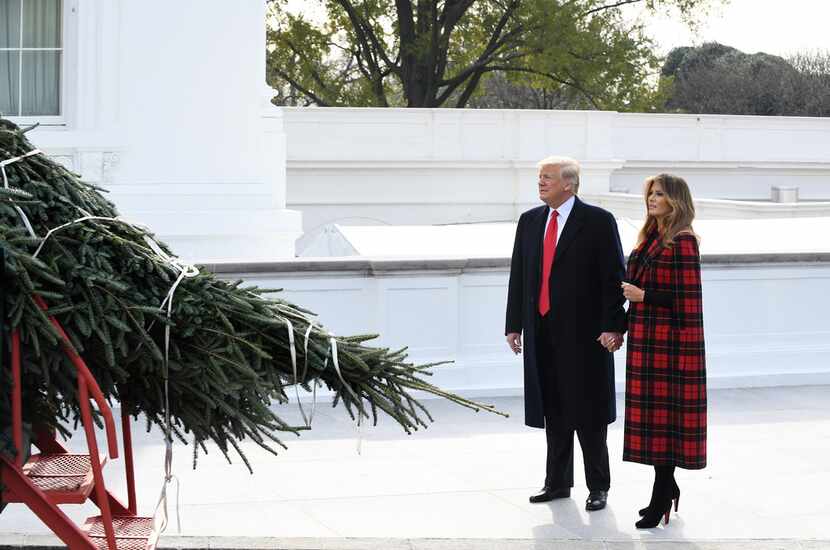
<point x="645" y="256"/>
<point x="575" y="221"/>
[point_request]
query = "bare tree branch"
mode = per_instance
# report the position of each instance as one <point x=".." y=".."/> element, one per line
<point x="471" y="86"/>
<point x="485" y="57"/>
<point x="609" y="6"/>
<point x="365" y="36"/>
<point x="453" y="11"/>
<point x="314" y="97"/>
<point x="380" y="47"/>
<point x="314" y="74"/>
<point x="573" y="83"/>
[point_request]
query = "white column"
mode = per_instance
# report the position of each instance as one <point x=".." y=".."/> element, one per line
<point x="202" y="156"/>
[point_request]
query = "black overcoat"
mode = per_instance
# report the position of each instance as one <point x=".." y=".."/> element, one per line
<point x="586" y="300"/>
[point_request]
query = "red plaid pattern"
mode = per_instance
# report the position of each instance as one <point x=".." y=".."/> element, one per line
<point x="665" y="383"/>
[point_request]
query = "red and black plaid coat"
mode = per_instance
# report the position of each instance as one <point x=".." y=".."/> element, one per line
<point x="665" y="383"/>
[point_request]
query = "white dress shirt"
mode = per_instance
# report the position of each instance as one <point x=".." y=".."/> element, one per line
<point x="564" y="211"/>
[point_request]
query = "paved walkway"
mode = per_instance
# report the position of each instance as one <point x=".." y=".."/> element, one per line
<point x="464" y="483"/>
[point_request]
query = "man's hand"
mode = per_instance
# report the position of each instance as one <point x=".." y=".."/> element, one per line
<point x="514" y="340"/>
<point x="612" y="341"/>
<point x="633" y="293"/>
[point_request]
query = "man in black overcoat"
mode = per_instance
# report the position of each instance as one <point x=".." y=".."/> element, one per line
<point x="565" y="299"/>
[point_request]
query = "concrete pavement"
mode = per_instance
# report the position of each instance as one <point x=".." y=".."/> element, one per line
<point x="464" y="482"/>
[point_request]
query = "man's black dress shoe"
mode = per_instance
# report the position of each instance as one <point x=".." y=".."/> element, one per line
<point x="549" y="494"/>
<point x="596" y="500"/>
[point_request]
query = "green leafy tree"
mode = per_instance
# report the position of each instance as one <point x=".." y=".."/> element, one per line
<point x="433" y="53"/>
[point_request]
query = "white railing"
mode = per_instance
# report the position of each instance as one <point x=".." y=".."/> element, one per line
<point x="764" y="314"/>
<point x="425" y="166"/>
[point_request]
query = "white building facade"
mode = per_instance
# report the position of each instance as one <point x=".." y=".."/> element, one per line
<point x="165" y="105"/>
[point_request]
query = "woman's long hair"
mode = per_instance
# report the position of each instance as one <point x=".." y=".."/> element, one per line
<point x="682" y="209"/>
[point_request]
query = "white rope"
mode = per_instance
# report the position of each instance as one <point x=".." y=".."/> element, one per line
<point x="307" y="419"/>
<point x="314" y="384"/>
<point x="298" y="379"/>
<point x="12" y="160"/>
<point x="185" y="271"/>
<point x="3" y="165"/>
<point x="162" y="501"/>
<point x="335" y="359"/>
<point x="73" y="222"/>
<point x="293" y="353"/>
<point x="358" y="400"/>
<point x="188" y="271"/>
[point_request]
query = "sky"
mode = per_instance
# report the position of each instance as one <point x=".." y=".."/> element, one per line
<point x="779" y="27"/>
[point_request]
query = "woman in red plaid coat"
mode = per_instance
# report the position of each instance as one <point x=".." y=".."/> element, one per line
<point x="665" y="388"/>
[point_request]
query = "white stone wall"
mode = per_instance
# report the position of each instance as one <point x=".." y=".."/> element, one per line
<point x="165" y="105"/>
<point x="765" y="322"/>
<point x="423" y="166"/>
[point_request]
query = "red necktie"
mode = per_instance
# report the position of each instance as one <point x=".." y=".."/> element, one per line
<point x="548" y="252"/>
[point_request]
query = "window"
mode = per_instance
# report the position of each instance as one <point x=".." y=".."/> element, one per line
<point x="30" y="57"/>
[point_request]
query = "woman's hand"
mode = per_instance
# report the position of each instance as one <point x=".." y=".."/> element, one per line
<point x="633" y="293"/>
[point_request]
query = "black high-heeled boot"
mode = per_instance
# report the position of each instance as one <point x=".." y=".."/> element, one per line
<point x="653" y="499"/>
<point x="675" y="495"/>
<point x="661" y="499"/>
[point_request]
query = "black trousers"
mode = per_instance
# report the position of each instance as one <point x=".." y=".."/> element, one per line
<point x="560" y="437"/>
<point x="560" y="460"/>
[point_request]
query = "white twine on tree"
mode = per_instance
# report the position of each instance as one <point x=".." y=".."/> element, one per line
<point x="3" y="165"/>
<point x="314" y="383"/>
<point x="188" y="271"/>
<point x="358" y="400"/>
<point x="293" y="354"/>
<point x="335" y="361"/>
<point x="185" y="271"/>
<point x="307" y="419"/>
<point x="87" y="217"/>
